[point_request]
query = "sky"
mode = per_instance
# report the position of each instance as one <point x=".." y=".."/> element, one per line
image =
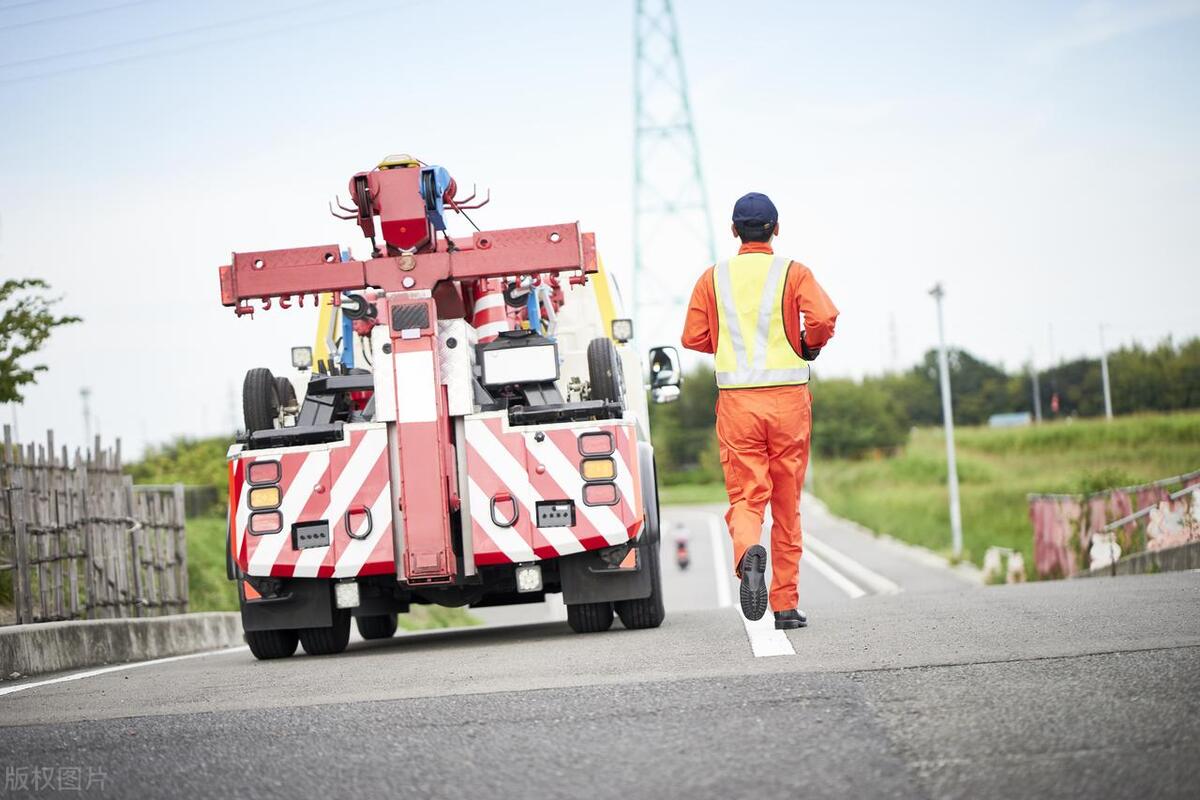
<point x="1038" y="158"/>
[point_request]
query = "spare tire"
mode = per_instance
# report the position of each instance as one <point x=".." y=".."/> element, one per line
<point x="287" y="395"/>
<point x="260" y="400"/>
<point x="604" y="371"/>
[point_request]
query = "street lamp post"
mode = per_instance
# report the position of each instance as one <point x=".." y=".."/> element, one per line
<point x="1104" y="376"/>
<point x="948" y="422"/>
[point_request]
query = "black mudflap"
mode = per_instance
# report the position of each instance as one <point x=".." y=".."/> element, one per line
<point x="301" y="603"/>
<point x="587" y="578"/>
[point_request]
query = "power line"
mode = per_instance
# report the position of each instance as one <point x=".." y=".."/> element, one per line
<point x="74" y="15"/>
<point x="159" y="36"/>
<point x="383" y="8"/>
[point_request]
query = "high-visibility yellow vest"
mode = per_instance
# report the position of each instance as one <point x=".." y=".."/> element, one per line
<point x="752" y="347"/>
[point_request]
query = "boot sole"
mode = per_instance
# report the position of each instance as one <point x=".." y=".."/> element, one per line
<point x="753" y="593"/>
<point x="790" y="625"/>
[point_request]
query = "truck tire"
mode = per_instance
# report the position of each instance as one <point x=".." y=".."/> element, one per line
<point x="645" y="612"/>
<point x="328" y="641"/>
<point x="286" y="394"/>
<point x="604" y="371"/>
<point x="376" y="626"/>
<point x="260" y="400"/>
<point x="648" y="612"/>
<point x="272" y="644"/>
<point x="590" y="617"/>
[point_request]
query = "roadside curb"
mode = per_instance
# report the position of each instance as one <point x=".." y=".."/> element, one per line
<point x="56" y="646"/>
<point x="964" y="570"/>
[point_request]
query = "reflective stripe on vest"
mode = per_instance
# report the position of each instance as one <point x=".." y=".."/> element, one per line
<point x="749" y="291"/>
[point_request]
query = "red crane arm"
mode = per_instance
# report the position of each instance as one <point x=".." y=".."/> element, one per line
<point x="308" y="270"/>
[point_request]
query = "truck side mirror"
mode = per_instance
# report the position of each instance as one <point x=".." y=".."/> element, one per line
<point x="665" y="374"/>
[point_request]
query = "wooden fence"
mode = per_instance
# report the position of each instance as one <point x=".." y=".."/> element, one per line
<point x="79" y="541"/>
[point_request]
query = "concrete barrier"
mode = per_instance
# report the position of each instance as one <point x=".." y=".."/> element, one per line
<point x="56" y="646"/>
<point x="1171" y="559"/>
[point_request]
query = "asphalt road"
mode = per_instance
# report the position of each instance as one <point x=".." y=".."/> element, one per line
<point x="912" y="681"/>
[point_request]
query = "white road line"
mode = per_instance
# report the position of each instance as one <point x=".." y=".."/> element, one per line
<point x="765" y="641"/>
<point x="117" y="668"/>
<point x="836" y="578"/>
<point x="861" y="575"/>
<point x="716" y="540"/>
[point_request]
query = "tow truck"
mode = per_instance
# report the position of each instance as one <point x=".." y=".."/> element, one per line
<point x="474" y="432"/>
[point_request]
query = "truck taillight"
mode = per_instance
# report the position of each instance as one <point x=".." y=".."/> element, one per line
<point x="262" y="522"/>
<point x="262" y="472"/>
<point x="600" y="494"/>
<point x="598" y="469"/>
<point x="262" y="497"/>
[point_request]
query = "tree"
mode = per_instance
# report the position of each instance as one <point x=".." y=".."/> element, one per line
<point x="851" y="420"/>
<point x="26" y="322"/>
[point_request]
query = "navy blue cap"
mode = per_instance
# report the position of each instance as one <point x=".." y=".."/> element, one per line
<point x="755" y="209"/>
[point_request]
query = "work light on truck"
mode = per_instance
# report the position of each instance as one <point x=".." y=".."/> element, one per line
<point x="622" y="330"/>
<point x="513" y="361"/>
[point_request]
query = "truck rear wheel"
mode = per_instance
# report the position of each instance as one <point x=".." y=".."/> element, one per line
<point x="590" y="617"/>
<point x="377" y="626"/>
<point x="604" y="371"/>
<point x="272" y="644"/>
<point x="260" y="400"/>
<point x="645" y="612"/>
<point x="328" y="641"/>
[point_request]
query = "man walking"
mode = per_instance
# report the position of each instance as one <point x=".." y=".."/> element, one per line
<point x="747" y="310"/>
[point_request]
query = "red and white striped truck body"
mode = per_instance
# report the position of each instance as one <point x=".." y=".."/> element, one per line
<point x="347" y="484"/>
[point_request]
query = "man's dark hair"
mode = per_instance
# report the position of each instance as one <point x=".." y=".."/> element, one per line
<point x="755" y="233"/>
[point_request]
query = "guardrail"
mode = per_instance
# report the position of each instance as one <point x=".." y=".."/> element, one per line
<point x="79" y="541"/>
<point x="1073" y="533"/>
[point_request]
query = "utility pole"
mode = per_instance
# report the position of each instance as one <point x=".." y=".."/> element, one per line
<point x="85" y="394"/>
<point x="1037" y="391"/>
<point x="1104" y="376"/>
<point x="672" y="227"/>
<point x="948" y="422"/>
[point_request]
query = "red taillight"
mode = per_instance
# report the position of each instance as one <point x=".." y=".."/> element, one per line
<point x="598" y="443"/>
<point x="266" y="522"/>
<point x="600" y="494"/>
<point x="261" y="472"/>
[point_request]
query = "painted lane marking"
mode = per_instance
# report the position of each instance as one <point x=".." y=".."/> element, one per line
<point x="118" y="668"/>
<point x="717" y="544"/>
<point x="855" y="570"/>
<point x="765" y="641"/>
<point x="832" y="575"/>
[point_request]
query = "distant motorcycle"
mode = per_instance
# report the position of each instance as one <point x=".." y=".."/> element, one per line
<point x="682" y="557"/>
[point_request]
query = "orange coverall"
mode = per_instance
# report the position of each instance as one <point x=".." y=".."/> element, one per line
<point x="763" y="433"/>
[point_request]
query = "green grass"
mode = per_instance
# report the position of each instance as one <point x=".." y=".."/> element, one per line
<point x="209" y="590"/>
<point x="692" y="494"/>
<point x="905" y="495"/>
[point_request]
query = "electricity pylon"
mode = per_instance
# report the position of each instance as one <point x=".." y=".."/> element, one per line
<point x="672" y="227"/>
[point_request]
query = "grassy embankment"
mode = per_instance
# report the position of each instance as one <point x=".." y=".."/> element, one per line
<point x="905" y="494"/>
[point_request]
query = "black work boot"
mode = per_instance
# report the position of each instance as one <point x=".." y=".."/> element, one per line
<point x="754" y="582"/>
<point x="790" y="620"/>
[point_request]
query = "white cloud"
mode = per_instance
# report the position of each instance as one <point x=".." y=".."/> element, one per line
<point x="1097" y="23"/>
